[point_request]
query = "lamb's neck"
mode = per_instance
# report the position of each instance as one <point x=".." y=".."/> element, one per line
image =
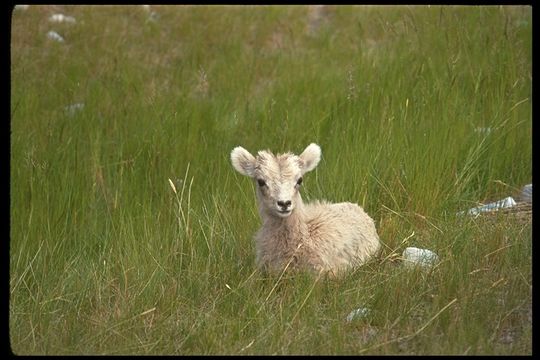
<point x="291" y="229"/>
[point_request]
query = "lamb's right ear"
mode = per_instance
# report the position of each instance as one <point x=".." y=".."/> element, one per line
<point x="243" y="161"/>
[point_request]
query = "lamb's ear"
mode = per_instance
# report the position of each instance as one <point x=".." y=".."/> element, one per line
<point x="243" y="161"/>
<point x="310" y="157"/>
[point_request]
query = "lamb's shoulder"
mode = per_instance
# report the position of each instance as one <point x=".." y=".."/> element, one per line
<point x="341" y="231"/>
<point x="337" y="215"/>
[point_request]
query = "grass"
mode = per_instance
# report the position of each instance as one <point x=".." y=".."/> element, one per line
<point x="105" y="258"/>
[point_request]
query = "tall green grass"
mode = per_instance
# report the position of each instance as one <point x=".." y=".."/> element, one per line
<point x="106" y="258"/>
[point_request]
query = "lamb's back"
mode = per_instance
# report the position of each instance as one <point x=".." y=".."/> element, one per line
<point x="341" y="234"/>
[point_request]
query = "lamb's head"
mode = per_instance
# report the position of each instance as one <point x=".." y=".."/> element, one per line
<point x="278" y="177"/>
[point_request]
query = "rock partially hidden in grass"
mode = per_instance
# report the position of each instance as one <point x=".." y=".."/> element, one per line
<point x="152" y="15"/>
<point x="494" y="206"/>
<point x="53" y="35"/>
<point x="483" y="130"/>
<point x="359" y="313"/>
<point x="526" y="193"/>
<point x="73" y="108"/>
<point x="59" y="18"/>
<point x="413" y="256"/>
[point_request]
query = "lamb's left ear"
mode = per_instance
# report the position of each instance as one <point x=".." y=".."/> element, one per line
<point x="310" y="157"/>
<point x="243" y="161"/>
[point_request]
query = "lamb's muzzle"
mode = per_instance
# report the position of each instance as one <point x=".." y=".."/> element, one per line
<point x="284" y="205"/>
<point x="320" y="236"/>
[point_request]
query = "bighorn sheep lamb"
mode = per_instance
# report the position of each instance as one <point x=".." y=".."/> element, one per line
<point x="320" y="236"/>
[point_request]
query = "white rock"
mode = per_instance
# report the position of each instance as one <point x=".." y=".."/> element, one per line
<point x="413" y="256"/>
<point x="62" y="18"/>
<point x="526" y="193"/>
<point x="72" y="109"/>
<point x="494" y="206"/>
<point x="153" y="17"/>
<point x="358" y="314"/>
<point x="55" y="36"/>
<point x="483" y="130"/>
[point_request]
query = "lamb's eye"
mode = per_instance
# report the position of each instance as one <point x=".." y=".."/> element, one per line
<point x="299" y="182"/>
<point x="261" y="182"/>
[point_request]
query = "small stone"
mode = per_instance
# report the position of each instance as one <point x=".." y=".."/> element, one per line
<point x="73" y="108"/>
<point x="53" y="35"/>
<point x="59" y="18"/>
<point x="483" y="130"/>
<point x="413" y="256"/>
<point x="359" y="313"/>
<point x="526" y="193"/>
<point x="494" y="206"/>
<point x="507" y="336"/>
<point x="153" y="17"/>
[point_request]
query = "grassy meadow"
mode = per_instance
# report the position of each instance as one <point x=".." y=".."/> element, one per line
<point x="420" y="112"/>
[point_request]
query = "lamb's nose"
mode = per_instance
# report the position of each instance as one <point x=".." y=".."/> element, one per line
<point x="284" y="204"/>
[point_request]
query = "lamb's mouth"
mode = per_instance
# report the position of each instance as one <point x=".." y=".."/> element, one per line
<point x="284" y="213"/>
